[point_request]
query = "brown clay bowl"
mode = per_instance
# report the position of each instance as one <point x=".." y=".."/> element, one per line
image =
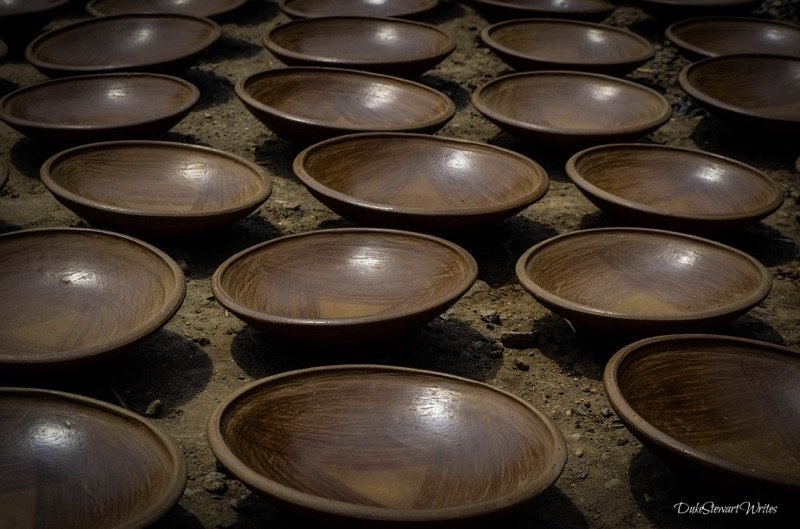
<point x="713" y="36"/>
<point x="158" y="42"/>
<point x="681" y="9"/>
<point x="718" y="408"/>
<point x="198" y="8"/>
<point x="733" y="88"/>
<point x="71" y="462"/>
<point x="309" y="104"/>
<point x="155" y="188"/>
<point x="319" y="8"/>
<point x="341" y="286"/>
<point x="80" y="295"/>
<point x="543" y="43"/>
<point x="674" y="188"/>
<point x="635" y="281"/>
<point x="420" y="182"/>
<point x="495" y="10"/>
<point x="99" y="107"/>
<point x="3" y="173"/>
<point x="378" y="445"/>
<point x="571" y="109"/>
<point x="384" y="45"/>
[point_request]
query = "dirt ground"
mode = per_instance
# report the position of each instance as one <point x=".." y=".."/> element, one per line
<point x="496" y="333"/>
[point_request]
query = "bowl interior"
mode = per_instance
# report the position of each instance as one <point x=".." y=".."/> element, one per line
<point x="134" y="475"/>
<point x="318" y="8"/>
<point x="198" y="8"/>
<point x="728" y="401"/>
<point x="732" y="35"/>
<point x="81" y="293"/>
<point x="401" y="457"/>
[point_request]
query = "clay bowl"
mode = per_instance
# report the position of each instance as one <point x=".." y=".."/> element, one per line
<point x="495" y="10"/>
<point x="539" y="44"/>
<point x="372" y="445"/>
<point x="99" y="107"/>
<point x="69" y="461"/>
<point x="197" y="8"/>
<point x="80" y="295"/>
<point x="319" y="8"/>
<point x="419" y="182"/>
<point x="384" y="45"/>
<point x="308" y="104"/>
<point x="681" y="9"/>
<point x="733" y="88"/>
<point x="341" y="286"/>
<point x="3" y="173"/>
<point x="157" y="42"/>
<point x="571" y="109"/>
<point x="712" y="36"/>
<point x="674" y="188"/>
<point x="717" y="408"/>
<point x="155" y="188"/>
<point x="635" y="281"/>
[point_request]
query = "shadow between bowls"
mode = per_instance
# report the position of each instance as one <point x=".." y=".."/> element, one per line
<point x="197" y="8"/>
<point x="320" y="8"/>
<point x="497" y="10"/>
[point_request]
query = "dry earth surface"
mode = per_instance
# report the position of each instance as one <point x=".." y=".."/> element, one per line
<point x="497" y="333"/>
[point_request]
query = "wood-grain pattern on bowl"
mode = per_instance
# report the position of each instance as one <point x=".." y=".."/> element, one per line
<point x="319" y="8"/>
<point x="198" y="8"/>
<point x="713" y="36"/>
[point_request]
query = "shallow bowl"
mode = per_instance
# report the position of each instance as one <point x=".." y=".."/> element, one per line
<point x="71" y="462"/>
<point x="308" y="104"/>
<point x="634" y="281"/>
<point x="99" y="107"/>
<point x="341" y="286"/>
<point x="318" y="8"/>
<point x="733" y="88"/>
<point x="542" y="43"/>
<point x="683" y="9"/>
<point x="155" y="188"/>
<point x="571" y="108"/>
<point x="717" y="408"/>
<point x="198" y="8"/>
<point x="712" y="36"/>
<point x="495" y="10"/>
<point x="379" y="444"/>
<point x="385" y="45"/>
<point x="80" y="295"/>
<point x="674" y="188"/>
<point x="419" y="182"/>
<point x="143" y="42"/>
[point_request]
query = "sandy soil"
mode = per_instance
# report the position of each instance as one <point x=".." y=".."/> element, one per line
<point x="497" y="333"/>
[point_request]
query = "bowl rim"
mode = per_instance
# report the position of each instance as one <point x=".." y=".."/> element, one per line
<point x="293" y="496"/>
<point x="673" y="35"/>
<point x="424" y="6"/>
<point x="277" y="49"/>
<point x="384" y="207"/>
<point x="53" y="185"/>
<point x="95" y="352"/>
<point x="243" y="93"/>
<point x="233" y="305"/>
<point x="654" y="122"/>
<point x="193" y="91"/>
<point x="91" y="8"/>
<point x="487" y="36"/>
<point x="684" y="79"/>
<point x="538" y="292"/>
<point x="633" y="420"/>
<point x="585" y="185"/>
<point x="592" y="6"/>
<point x="178" y="478"/>
<point x="72" y="69"/>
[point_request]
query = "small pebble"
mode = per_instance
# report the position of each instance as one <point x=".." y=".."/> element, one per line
<point x="648" y="498"/>
<point x="578" y="452"/>
<point x="490" y="316"/>
<point x="215" y="483"/>
<point x="622" y="441"/>
<point x="584" y="475"/>
<point x="520" y="340"/>
<point x="606" y="412"/>
<point x="521" y="364"/>
<point x="154" y="409"/>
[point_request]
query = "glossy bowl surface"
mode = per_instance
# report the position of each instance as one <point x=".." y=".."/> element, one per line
<point x="718" y="408"/>
<point x="571" y="108"/>
<point x="384" y="45"/>
<point x="542" y="43"/>
<point x="417" y="181"/>
<point x="318" y="8"/>
<point x="71" y="462"/>
<point x="99" y="107"/>
<point x="154" y="187"/>
<point x="635" y="281"/>
<point x="156" y="42"/>
<point x="713" y="36"/>
<point x="674" y="188"/>
<point x="379" y="444"/>
<point x="81" y="295"/>
<point x="342" y="286"/>
<point x="198" y="8"/>
<point x="310" y="104"/>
